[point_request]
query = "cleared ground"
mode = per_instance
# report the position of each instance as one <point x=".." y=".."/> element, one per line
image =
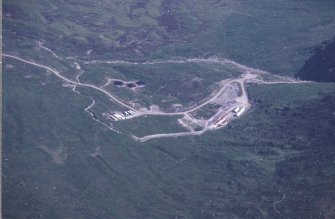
<point x="231" y="96"/>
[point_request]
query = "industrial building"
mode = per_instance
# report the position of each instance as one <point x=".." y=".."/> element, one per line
<point x="122" y="115"/>
<point x="238" y="111"/>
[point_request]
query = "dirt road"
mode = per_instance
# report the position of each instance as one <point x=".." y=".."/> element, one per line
<point x="249" y="76"/>
<point x="55" y="72"/>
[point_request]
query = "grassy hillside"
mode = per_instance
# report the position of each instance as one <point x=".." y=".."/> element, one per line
<point x="277" y="161"/>
<point x="284" y="146"/>
<point x="273" y="35"/>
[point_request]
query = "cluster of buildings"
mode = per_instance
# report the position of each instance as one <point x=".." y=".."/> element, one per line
<point x="238" y="111"/>
<point x="223" y="120"/>
<point x="122" y="116"/>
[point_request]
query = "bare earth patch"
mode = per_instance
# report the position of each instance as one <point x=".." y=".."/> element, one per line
<point x="58" y="155"/>
<point x="9" y="66"/>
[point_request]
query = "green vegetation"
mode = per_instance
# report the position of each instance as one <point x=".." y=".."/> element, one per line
<point x="277" y="161"/>
<point x="163" y="29"/>
<point x="148" y="125"/>
<point x="206" y="112"/>
<point x="165" y="84"/>
<point x="254" y="161"/>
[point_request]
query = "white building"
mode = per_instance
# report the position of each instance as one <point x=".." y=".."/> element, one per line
<point x="236" y="109"/>
<point x="239" y="113"/>
<point x="113" y="117"/>
<point x="119" y="115"/>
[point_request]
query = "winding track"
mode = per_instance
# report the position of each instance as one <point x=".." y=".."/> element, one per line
<point x="169" y="135"/>
<point x="246" y="78"/>
<point x="244" y="98"/>
<point x="55" y="72"/>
